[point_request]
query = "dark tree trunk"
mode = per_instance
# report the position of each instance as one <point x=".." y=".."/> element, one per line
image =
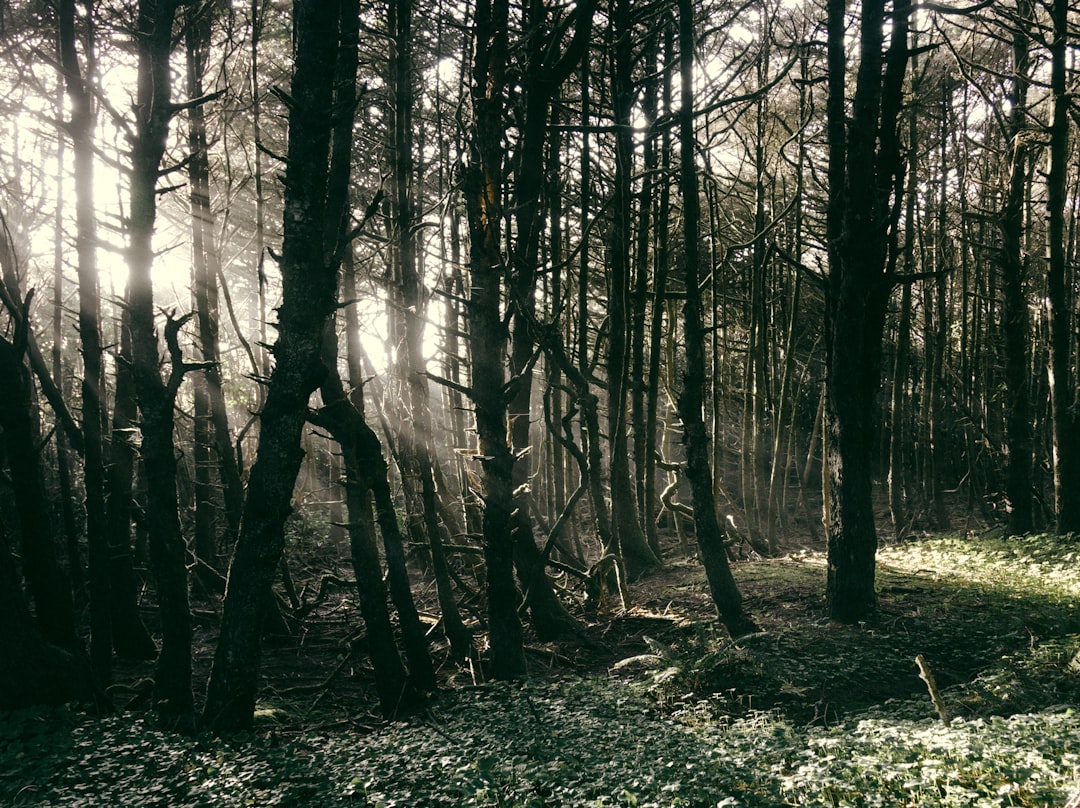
<point x="129" y="635"/>
<point x="865" y="179"/>
<point x="172" y="687"/>
<point x="1015" y="317"/>
<point x="420" y="439"/>
<point x="707" y="527"/>
<point x="630" y="542"/>
<point x="308" y="274"/>
<point x="49" y="585"/>
<point x="341" y="419"/>
<point x="644" y="444"/>
<point x="1066" y="419"/>
<point x="547" y="69"/>
<point x="106" y="606"/>
<point x="213" y="438"/>
<point x="482" y="189"/>
<point x="32" y="670"/>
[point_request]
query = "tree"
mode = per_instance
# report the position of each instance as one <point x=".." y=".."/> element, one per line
<point x="154" y="110"/>
<point x="709" y="532"/>
<point x="309" y="285"/>
<point x="1066" y="418"/>
<point x="864" y="186"/>
<point x="482" y="187"/>
<point x="1014" y="268"/>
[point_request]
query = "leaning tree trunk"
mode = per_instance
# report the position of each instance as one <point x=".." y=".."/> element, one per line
<point x="548" y="68"/>
<point x="346" y="424"/>
<point x="309" y="282"/>
<point x="707" y="527"/>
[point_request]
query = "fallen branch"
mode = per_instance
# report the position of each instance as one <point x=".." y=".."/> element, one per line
<point x="935" y="694"/>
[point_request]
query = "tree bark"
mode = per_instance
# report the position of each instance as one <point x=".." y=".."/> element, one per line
<point x="707" y="527"/>
<point x="630" y="541"/>
<point x="1016" y="319"/>
<point x="308" y="299"/>
<point x="482" y="189"/>
<point x="1066" y="420"/>
<point x="864" y="168"/>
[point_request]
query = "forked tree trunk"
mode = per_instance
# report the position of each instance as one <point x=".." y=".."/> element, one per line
<point x="173" y="695"/>
<point x="548" y="68"/>
<point x="309" y="281"/>
<point x="864" y="164"/>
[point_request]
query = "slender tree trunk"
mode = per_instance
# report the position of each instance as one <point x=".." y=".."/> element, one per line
<point x="172" y="687"/>
<point x="341" y="419"/>
<point x="630" y="541"/>
<point x="547" y="69"/>
<point x="1016" y="320"/>
<point x="64" y="454"/>
<point x="103" y="617"/>
<point x="482" y="188"/>
<point x="644" y="444"/>
<point x="710" y="533"/>
<point x="309" y="292"/>
<point x="1066" y="420"/>
<point x="419" y="440"/>
<point x="207" y="264"/>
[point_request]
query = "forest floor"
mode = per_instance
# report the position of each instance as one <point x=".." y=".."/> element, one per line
<point x="652" y="706"/>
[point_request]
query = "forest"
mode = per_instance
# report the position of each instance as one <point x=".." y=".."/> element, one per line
<point x="548" y="402"/>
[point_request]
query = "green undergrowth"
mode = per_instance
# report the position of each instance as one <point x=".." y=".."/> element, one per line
<point x="996" y="620"/>
<point x="847" y="722"/>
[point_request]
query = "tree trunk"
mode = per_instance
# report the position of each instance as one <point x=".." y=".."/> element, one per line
<point x="864" y="164"/>
<point x="34" y="671"/>
<point x="309" y="292"/>
<point x="629" y="538"/>
<point x="206" y="262"/>
<point x="1066" y="420"/>
<point x="339" y="417"/>
<point x="49" y="585"/>
<point x="482" y="189"/>
<point x="710" y="533"/>
<point x="1015" y="317"/>
<point x="419" y="440"/>
<point x="547" y="68"/>
<point x="172" y="687"/>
